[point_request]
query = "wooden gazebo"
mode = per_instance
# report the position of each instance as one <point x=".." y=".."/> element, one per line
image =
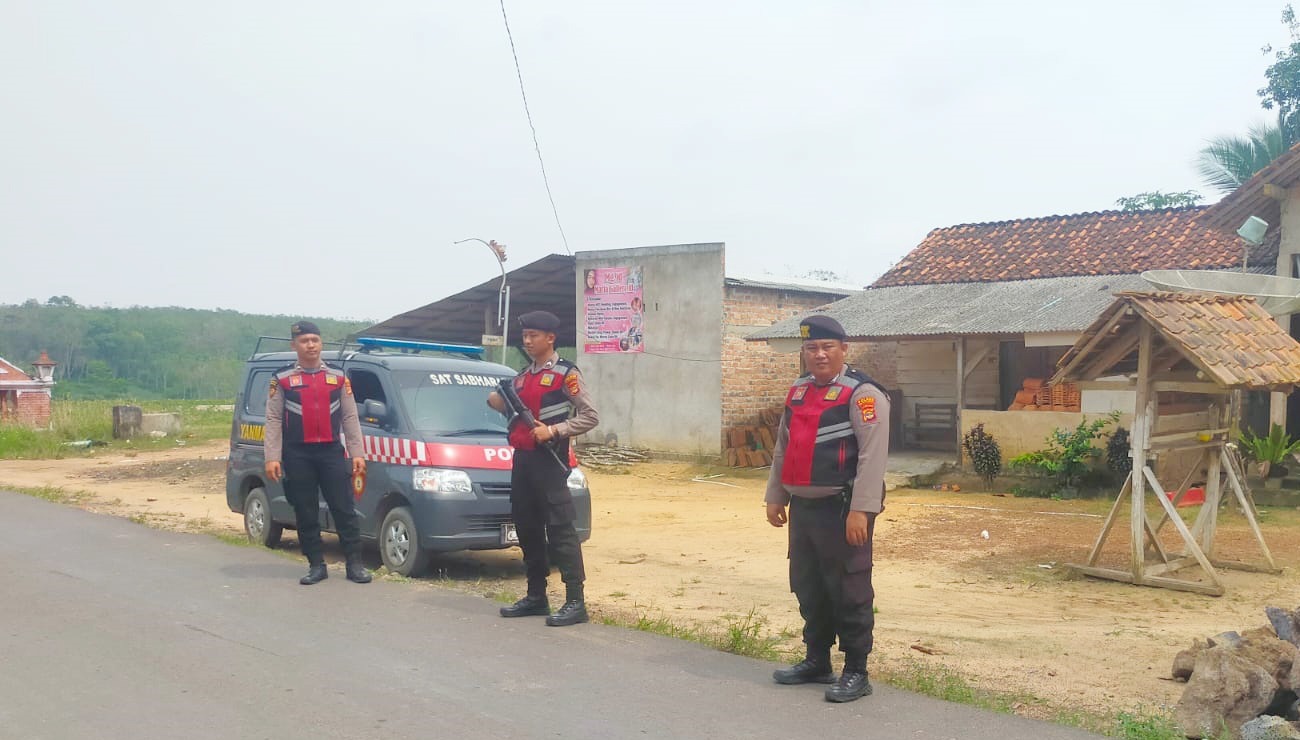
<point x="1202" y="347"/>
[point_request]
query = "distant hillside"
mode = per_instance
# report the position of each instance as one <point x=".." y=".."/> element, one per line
<point x="142" y="352"/>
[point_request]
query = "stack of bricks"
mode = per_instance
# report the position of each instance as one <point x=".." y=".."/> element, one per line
<point x="1036" y="395"/>
<point x="751" y="445"/>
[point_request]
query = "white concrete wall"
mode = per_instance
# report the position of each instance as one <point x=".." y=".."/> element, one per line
<point x="1018" y="432"/>
<point x="668" y="398"/>
<point x="1103" y="402"/>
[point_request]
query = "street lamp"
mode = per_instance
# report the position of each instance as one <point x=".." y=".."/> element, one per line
<point x="45" y="368"/>
<point x="503" y="296"/>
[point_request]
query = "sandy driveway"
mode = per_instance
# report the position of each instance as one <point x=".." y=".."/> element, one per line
<point x="700" y="552"/>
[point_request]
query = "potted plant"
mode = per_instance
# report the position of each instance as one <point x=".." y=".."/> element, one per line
<point x="1271" y="451"/>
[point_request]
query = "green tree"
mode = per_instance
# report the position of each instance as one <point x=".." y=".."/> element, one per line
<point x="1156" y="200"/>
<point x="1283" y="88"/>
<point x="1228" y="161"/>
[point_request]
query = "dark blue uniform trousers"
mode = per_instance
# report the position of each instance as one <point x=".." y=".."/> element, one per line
<point x="542" y="508"/>
<point x="311" y="470"/>
<point x="831" y="578"/>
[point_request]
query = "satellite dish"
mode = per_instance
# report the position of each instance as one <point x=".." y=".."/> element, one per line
<point x="1277" y="295"/>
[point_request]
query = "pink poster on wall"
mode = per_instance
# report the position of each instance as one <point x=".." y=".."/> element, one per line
<point x="614" y="310"/>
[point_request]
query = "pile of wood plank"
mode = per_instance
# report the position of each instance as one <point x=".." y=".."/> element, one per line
<point x="751" y="445"/>
<point x="1037" y="395"/>
<point x="610" y="455"/>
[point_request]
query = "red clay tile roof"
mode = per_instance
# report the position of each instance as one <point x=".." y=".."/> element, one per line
<point x="1104" y="243"/>
<point x="1231" y="339"/>
<point x="1251" y="199"/>
<point x="9" y="371"/>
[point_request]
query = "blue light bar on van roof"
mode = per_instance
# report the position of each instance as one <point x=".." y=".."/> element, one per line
<point x="416" y="344"/>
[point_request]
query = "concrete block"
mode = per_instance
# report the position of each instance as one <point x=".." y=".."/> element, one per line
<point x="167" y="423"/>
<point x="126" y="422"/>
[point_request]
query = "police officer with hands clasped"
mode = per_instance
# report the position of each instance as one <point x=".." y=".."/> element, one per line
<point x="310" y="412"/>
<point x="540" y="501"/>
<point x="829" y="466"/>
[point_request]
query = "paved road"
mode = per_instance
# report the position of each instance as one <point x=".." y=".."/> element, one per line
<point x="113" y="630"/>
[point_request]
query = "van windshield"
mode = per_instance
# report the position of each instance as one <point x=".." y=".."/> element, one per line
<point x="450" y="403"/>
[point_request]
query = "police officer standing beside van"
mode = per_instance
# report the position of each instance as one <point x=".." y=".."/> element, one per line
<point x="310" y="412"/>
<point x="829" y="467"/>
<point x="540" y="501"/>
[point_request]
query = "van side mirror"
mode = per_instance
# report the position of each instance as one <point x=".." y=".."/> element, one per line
<point x="374" y="412"/>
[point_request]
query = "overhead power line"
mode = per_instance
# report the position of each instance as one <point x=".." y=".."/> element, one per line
<point x="536" y="146"/>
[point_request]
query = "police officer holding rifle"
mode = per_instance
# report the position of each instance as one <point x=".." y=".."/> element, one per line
<point x="552" y="392"/>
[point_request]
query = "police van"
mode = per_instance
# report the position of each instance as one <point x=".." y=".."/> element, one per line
<point x="437" y="459"/>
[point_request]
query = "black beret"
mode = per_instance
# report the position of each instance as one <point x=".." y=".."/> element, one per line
<point x="818" y="326"/>
<point x="540" y="321"/>
<point x="304" y="327"/>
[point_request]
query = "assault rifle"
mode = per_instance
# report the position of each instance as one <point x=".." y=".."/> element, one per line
<point x="517" y="413"/>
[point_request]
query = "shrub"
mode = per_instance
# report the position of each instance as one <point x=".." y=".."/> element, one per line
<point x="984" y="453"/>
<point x="1275" y="448"/>
<point x="1118" y="451"/>
<point x="1069" y="455"/>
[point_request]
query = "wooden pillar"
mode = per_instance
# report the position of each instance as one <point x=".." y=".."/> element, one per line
<point x="961" y="390"/>
<point x="1140" y="439"/>
<point x="1277" y="410"/>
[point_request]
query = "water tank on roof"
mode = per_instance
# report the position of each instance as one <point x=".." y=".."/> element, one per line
<point x="1277" y="295"/>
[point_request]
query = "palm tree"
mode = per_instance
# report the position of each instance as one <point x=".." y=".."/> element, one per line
<point x="1228" y="161"/>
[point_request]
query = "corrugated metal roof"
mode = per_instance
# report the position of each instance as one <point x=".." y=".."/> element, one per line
<point x="801" y="285"/>
<point x="547" y="284"/>
<point x="1011" y="307"/>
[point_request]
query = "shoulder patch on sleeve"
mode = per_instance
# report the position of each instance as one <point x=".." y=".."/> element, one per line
<point x="867" y="405"/>
<point x="573" y="384"/>
<point x="274" y="386"/>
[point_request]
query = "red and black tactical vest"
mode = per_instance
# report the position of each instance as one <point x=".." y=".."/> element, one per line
<point x="822" y="449"/>
<point x="313" y="404"/>
<point x="545" y="395"/>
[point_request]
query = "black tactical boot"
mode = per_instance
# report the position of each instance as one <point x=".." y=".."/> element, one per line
<point x="357" y="572"/>
<point x="574" y="611"/>
<point x="853" y="684"/>
<point x="315" y="574"/>
<point x="813" y="669"/>
<point x="529" y="606"/>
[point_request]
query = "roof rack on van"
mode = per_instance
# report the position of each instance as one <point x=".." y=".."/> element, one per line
<point x="416" y="345"/>
<point x="257" y="348"/>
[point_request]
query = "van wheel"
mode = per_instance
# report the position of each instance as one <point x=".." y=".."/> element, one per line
<point x="259" y="525"/>
<point x="399" y="544"/>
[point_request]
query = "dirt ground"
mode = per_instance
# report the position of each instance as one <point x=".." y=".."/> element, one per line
<point x="1001" y="611"/>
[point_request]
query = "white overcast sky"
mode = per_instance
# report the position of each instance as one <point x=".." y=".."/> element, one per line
<point x="319" y="157"/>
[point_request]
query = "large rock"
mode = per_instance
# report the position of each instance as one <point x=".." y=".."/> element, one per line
<point x="1225" y="690"/>
<point x="1285" y="624"/>
<point x="1269" y="727"/>
<point x="1263" y="648"/>
<point x="1185" y="660"/>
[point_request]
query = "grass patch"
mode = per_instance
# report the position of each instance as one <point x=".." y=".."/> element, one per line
<point x="52" y="493"/>
<point x="944" y="683"/>
<point x="231" y="538"/>
<point x="740" y="635"/>
<point x="1142" y="726"/>
<point x="77" y="421"/>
